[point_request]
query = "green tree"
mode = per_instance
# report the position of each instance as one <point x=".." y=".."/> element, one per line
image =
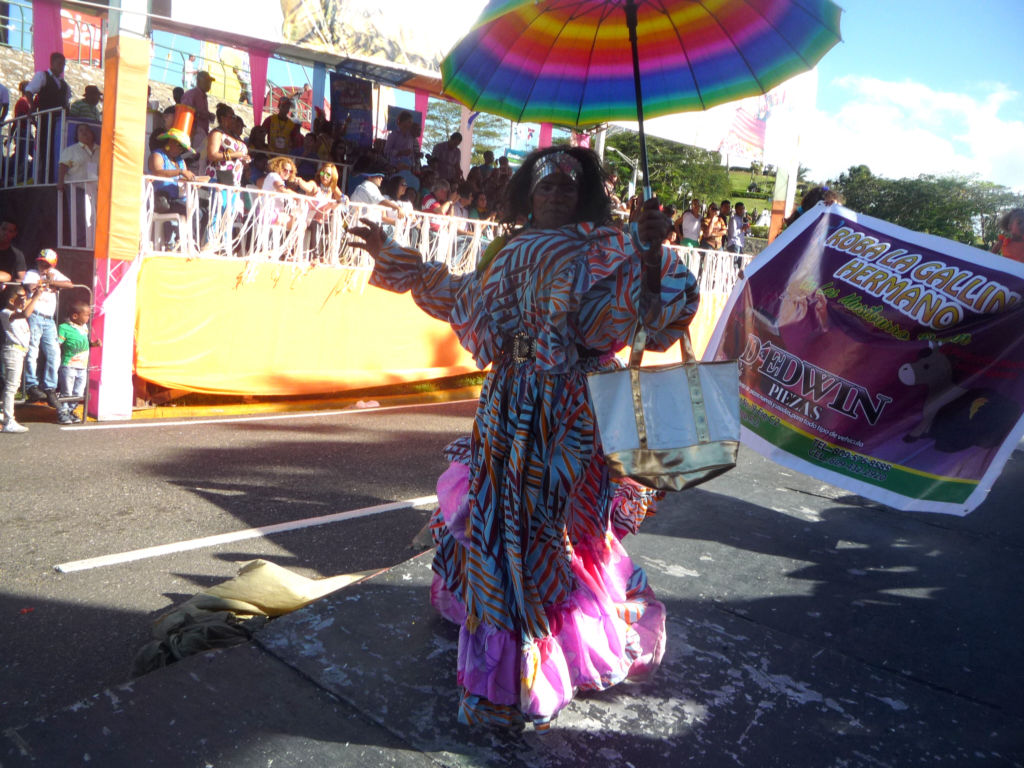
<point x="961" y="208"/>
<point x="443" y="119"/>
<point x="678" y="171"/>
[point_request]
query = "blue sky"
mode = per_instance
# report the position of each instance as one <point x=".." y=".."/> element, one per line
<point x="923" y="87"/>
<point x="915" y="87"/>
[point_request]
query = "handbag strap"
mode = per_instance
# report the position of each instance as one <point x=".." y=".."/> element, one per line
<point x="691" y="366"/>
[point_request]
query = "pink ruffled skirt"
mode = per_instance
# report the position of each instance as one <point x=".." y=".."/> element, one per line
<point x="611" y="628"/>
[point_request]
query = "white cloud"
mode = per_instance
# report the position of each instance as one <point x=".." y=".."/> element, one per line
<point x="903" y="129"/>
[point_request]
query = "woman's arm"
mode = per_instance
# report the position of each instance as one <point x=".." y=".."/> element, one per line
<point x="214" y="146"/>
<point x="400" y="269"/>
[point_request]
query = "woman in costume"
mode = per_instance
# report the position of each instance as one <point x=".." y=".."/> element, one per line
<point x="528" y="558"/>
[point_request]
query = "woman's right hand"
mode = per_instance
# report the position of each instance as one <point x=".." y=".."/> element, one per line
<point x="372" y="234"/>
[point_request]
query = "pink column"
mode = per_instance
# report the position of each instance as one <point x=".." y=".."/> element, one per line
<point x="544" y="140"/>
<point x="258" y="72"/>
<point x="422" y="101"/>
<point x="46" y="34"/>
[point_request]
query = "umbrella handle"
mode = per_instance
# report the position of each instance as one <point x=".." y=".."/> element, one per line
<point x="630" y="9"/>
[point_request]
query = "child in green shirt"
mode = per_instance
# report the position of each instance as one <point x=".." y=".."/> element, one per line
<point x="73" y="337"/>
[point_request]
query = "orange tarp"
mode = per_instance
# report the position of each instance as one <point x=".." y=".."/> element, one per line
<point x="229" y="327"/>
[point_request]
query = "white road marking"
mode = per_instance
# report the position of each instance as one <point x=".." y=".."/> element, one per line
<point x="303" y="415"/>
<point x="248" y="533"/>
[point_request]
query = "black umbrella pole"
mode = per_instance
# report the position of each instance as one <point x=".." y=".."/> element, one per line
<point x="652" y="258"/>
<point x="631" y="25"/>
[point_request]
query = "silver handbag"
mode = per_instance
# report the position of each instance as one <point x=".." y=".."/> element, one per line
<point x="668" y="426"/>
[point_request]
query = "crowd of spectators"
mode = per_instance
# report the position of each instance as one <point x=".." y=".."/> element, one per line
<point x="278" y="156"/>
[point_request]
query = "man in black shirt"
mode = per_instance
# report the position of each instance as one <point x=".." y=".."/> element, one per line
<point x="12" y="261"/>
<point x="49" y="91"/>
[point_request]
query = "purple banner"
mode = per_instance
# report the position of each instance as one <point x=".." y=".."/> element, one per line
<point x="881" y="360"/>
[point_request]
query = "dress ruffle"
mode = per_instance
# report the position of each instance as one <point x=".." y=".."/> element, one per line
<point x="609" y="630"/>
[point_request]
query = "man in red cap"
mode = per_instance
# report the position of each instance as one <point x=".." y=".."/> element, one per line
<point x="43" y="327"/>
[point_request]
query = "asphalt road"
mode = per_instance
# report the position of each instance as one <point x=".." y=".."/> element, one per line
<point x="917" y="611"/>
<point x="94" y="490"/>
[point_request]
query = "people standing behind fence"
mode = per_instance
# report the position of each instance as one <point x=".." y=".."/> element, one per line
<point x="244" y="85"/>
<point x="48" y="91"/>
<point x="166" y="123"/>
<point x="401" y="147"/>
<point x="689" y="225"/>
<point x="87" y="107"/>
<point x="368" y="192"/>
<point x="308" y="158"/>
<point x="73" y="337"/>
<point x="448" y="158"/>
<point x="436" y="201"/>
<point x="281" y="178"/>
<point x="12" y="260"/>
<point x="462" y="200"/>
<point x="18" y="306"/>
<point x="480" y="208"/>
<point x="283" y="134"/>
<point x="189" y="72"/>
<point x="496" y="182"/>
<point x="80" y="168"/>
<point x="712" y="229"/>
<point x="739" y="228"/>
<point x="200" y="103"/>
<point x="44" y="328"/>
<point x="226" y="155"/>
<point x="326" y="199"/>
<point x="479" y="174"/>
<point x="167" y="163"/>
<point x="5" y="102"/>
<point x="18" y="167"/>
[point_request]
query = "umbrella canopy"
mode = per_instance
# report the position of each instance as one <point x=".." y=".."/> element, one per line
<point x="569" y="62"/>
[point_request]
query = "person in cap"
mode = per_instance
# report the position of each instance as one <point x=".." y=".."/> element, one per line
<point x="528" y="555"/>
<point x="167" y="163"/>
<point x="47" y="280"/>
<point x="368" y="190"/>
<point x="369" y="193"/>
<point x="87" y="107"/>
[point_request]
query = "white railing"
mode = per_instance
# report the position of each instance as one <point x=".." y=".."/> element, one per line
<point x="231" y="222"/>
<point x="221" y="221"/>
<point x="31" y="147"/>
<point x="77" y="206"/>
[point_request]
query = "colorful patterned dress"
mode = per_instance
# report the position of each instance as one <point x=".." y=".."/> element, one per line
<point x="528" y="556"/>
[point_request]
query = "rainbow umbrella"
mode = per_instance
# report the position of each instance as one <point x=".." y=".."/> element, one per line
<point x="583" y="62"/>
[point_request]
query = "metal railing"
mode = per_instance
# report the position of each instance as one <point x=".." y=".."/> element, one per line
<point x="219" y="221"/>
<point x="30" y="147"/>
<point x="244" y="222"/>
<point x="76" y="205"/>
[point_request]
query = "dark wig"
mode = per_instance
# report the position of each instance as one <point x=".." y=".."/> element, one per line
<point x="594" y="204"/>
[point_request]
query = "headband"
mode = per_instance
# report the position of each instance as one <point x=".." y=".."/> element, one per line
<point x="556" y="162"/>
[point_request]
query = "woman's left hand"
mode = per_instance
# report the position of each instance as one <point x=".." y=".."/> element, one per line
<point x="653" y="225"/>
<point x="372" y="234"/>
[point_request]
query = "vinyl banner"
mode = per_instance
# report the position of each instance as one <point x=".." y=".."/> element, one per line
<point x="352" y="109"/>
<point x="883" y="361"/>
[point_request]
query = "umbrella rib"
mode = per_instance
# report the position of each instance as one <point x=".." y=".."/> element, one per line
<point x="533" y="85"/>
<point x="725" y="32"/>
<point x="593" y="44"/>
<point x="686" y="55"/>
